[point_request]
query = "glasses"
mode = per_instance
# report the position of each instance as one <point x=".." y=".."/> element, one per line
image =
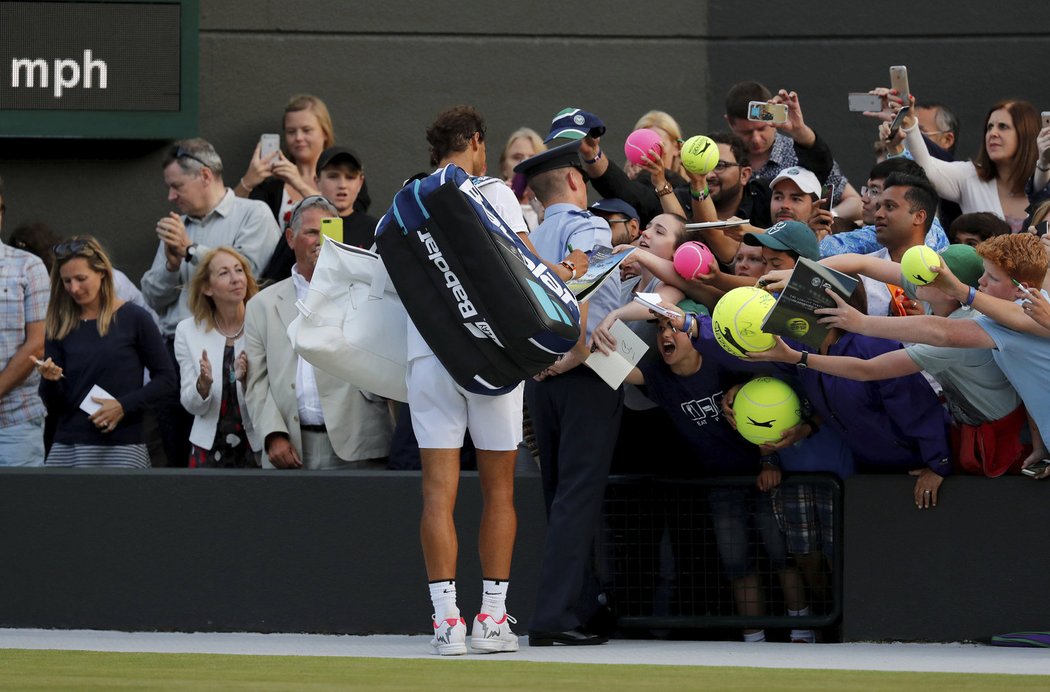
<point x="933" y="132"/>
<point x="618" y="220"/>
<point x="870" y="192"/>
<point x="181" y="153"/>
<point x="69" y="248"/>
<point x="307" y="202"/>
<point x="723" y="165"/>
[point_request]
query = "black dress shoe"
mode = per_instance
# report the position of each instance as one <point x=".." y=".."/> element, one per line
<point x="576" y="637"/>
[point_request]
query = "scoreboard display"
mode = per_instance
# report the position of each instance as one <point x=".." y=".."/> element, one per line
<point x="98" y="69"/>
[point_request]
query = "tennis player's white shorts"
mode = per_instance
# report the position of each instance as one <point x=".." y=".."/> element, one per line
<point x="442" y="411"/>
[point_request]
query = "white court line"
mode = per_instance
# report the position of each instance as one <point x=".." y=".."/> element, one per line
<point x="944" y="658"/>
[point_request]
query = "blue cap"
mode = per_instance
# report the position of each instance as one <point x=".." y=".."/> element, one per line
<point x="611" y="205"/>
<point x="572" y="123"/>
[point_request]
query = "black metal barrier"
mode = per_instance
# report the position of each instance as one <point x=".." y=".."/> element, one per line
<point x="713" y="552"/>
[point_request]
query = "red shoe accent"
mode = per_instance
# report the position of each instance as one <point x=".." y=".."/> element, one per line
<point x="483" y="616"/>
<point x="451" y="621"/>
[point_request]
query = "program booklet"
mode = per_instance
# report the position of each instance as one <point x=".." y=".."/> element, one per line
<point x="615" y="367"/>
<point x="601" y="264"/>
<point x="794" y="314"/>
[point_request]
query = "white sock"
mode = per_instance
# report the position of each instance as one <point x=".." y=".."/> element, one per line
<point x="798" y="635"/>
<point x="443" y="596"/>
<point x="494" y="597"/>
<point x="759" y="636"/>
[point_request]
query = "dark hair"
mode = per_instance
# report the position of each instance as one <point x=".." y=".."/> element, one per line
<point x="1027" y="126"/>
<point x="983" y="223"/>
<point x="735" y="144"/>
<point x="883" y="169"/>
<point x="946" y="120"/>
<point x="859" y="298"/>
<point x="742" y="93"/>
<point x="920" y="194"/>
<point x="35" y="237"/>
<point x="452" y="130"/>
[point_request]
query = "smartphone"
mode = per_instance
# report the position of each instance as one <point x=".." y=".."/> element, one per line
<point x="332" y="228"/>
<point x="1037" y="468"/>
<point x="1046" y="118"/>
<point x="1042" y="227"/>
<point x="896" y="124"/>
<point x="268" y="146"/>
<point x="828" y="195"/>
<point x="762" y="112"/>
<point x="899" y="81"/>
<point x="860" y="103"/>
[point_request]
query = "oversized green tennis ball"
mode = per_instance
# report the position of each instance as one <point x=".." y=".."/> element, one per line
<point x="737" y="320"/>
<point x="765" y="407"/>
<point x="917" y="264"/>
<point x="700" y="154"/>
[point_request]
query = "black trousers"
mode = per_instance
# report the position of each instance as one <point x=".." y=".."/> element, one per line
<point x="576" y="417"/>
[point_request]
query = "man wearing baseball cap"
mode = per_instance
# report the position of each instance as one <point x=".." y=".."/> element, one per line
<point x="622" y="218"/>
<point x="796" y="196"/>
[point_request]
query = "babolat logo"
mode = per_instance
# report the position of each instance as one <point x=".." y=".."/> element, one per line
<point x="466" y="308"/>
<point x="482" y="330"/>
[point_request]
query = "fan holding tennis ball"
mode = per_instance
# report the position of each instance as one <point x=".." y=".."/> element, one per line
<point x="737" y="321"/>
<point x="638" y="144"/>
<point x="918" y="264"/>
<point x="764" y="408"/>
<point x="699" y="154"/>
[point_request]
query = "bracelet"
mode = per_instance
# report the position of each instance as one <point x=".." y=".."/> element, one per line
<point x="571" y="267"/>
<point x="244" y="187"/>
<point x="687" y="324"/>
<point x="971" y="296"/>
<point x="702" y="195"/>
<point x="596" y="159"/>
<point x="1044" y="170"/>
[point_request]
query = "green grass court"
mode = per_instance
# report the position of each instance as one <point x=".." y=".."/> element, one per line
<point x="86" y="670"/>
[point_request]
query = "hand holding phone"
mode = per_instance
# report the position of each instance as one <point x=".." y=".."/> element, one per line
<point x="1037" y="468"/>
<point x="899" y="81"/>
<point x="897" y="121"/>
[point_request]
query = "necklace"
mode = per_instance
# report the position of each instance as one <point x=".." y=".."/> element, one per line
<point x="230" y="336"/>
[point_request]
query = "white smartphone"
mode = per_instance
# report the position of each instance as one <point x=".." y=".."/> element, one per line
<point x="1036" y="468"/>
<point x="861" y="103"/>
<point x="268" y="146"/>
<point x="899" y="81"/>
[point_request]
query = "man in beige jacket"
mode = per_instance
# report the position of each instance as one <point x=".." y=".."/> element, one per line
<point x="308" y="418"/>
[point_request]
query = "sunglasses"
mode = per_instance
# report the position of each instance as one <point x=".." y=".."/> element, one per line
<point x="69" y="248"/>
<point x="181" y="153"/>
<point x="307" y="202"/>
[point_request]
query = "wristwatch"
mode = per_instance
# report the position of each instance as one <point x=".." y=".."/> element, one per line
<point x="191" y="252"/>
<point x="803" y="362"/>
<point x="666" y="189"/>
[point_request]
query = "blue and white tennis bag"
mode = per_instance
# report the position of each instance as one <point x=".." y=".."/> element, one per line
<point x="491" y="311"/>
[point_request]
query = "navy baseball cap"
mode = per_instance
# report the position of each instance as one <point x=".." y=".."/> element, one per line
<point x="788" y="235"/>
<point x="338" y="155"/>
<point x="561" y="156"/>
<point x="572" y="123"/>
<point x="611" y="205"/>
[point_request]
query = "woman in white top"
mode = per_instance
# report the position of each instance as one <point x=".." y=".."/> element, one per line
<point x="210" y="350"/>
<point x="995" y="180"/>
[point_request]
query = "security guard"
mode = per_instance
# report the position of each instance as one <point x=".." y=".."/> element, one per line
<point x="575" y="414"/>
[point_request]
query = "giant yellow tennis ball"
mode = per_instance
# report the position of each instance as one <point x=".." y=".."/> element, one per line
<point x="700" y="154"/>
<point x="737" y="320"/>
<point x="765" y="407"/>
<point x="917" y="264"/>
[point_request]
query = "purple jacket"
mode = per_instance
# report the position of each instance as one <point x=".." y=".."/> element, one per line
<point x="892" y="424"/>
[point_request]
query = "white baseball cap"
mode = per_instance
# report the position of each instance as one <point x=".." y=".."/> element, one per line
<point x="803" y="177"/>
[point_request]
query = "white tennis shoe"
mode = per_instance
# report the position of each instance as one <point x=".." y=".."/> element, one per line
<point x="450" y="636"/>
<point x="490" y="636"/>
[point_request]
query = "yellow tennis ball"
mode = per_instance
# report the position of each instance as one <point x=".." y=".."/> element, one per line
<point x="917" y="264"/>
<point x="765" y="407"/>
<point x="737" y="320"/>
<point x="700" y="154"/>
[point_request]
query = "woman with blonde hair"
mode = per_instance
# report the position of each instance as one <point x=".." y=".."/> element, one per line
<point x="96" y="350"/>
<point x="670" y="142"/>
<point x="523" y="143"/>
<point x="222" y="434"/>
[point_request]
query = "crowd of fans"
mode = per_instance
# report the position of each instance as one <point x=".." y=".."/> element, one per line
<point x="197" y="369"/>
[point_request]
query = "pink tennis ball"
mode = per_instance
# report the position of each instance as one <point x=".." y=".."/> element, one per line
<point x="638" y="144"/>
<point x="692" y="259"/>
